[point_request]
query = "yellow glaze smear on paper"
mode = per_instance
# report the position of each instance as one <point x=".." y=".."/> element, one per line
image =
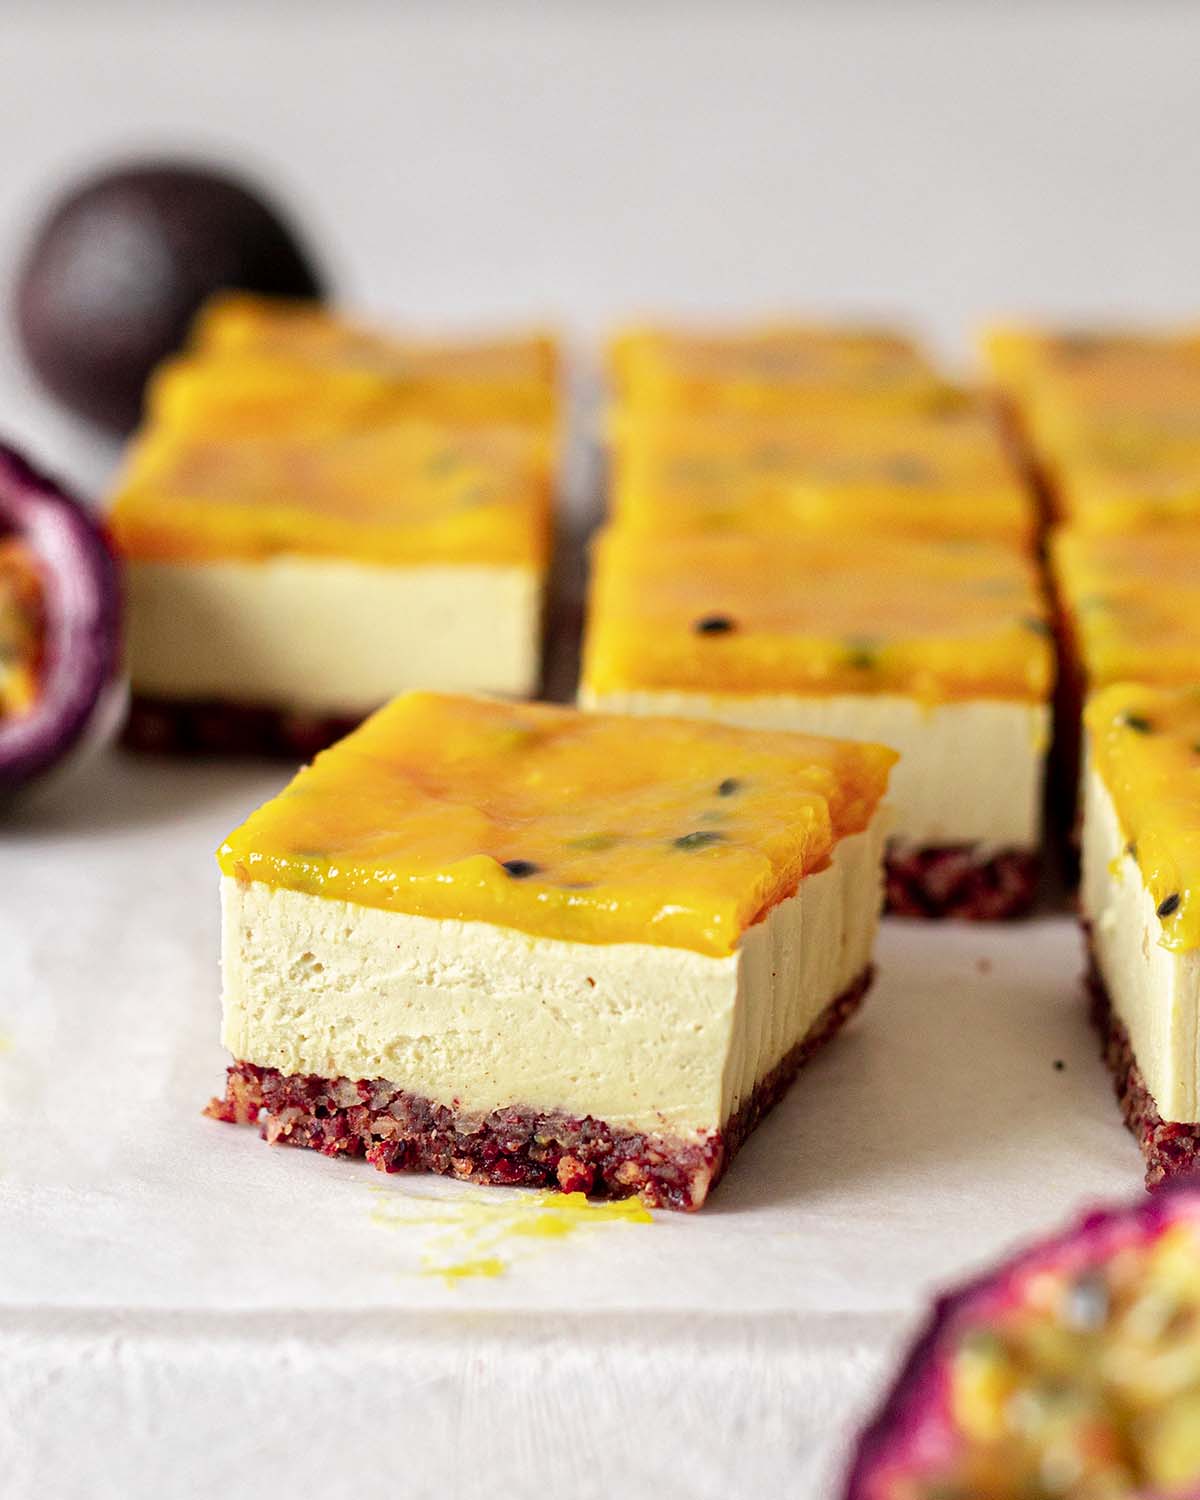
<point x="472" y="1232"/>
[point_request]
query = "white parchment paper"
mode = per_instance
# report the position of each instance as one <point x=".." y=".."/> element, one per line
<point x="182" y="1308"/>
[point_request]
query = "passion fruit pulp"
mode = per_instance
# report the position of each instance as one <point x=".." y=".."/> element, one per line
<point x="60" y="625"/>
<point x="120" y="266"/>
<point x="1070" y="1371"/>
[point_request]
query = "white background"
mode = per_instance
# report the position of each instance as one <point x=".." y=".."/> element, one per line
<point x="183" y="1312"/>
<point x="487" y="162"/>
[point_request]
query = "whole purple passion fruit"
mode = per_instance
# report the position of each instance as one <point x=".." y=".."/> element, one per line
<point x="1069" y="1372"/>
<point x="60" y="626"/>
<point x="120" y="265"/>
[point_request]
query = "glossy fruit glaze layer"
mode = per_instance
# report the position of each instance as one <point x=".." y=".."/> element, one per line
<point x="1113" y="417"/>
<point x="772" y="368"/>
<point x="749" y="614"/>
<point x="390" y="493"/>
<point x="1144" y="744"/>
<point x="921" y="475"/>
<point x="1133" y="602"/>
<point x="587" y="827"/>
<point x="257" y="366"/>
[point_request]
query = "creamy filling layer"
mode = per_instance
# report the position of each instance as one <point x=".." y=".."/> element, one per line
<point x="477" y="1017"/>
<point x="1153" y="990"/>
<point x="329" y="636"/>
<point x="968" y="772"/>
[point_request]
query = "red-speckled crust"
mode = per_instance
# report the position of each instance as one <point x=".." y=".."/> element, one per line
<point x="398" y="1131"/>
<point x="1171" y="1148"/>
<point x="167" y="726"/>
<point x="956" y="880"/>
<point x="913" y="1408"/>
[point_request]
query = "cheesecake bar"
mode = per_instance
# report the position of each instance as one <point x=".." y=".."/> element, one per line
<point x="943" y="473"/>
<point x="519" y="944"/>
<point x="281" y="587"/>
<point x="782" y="368"/>
<point x="1140" y="902"/>
<point x="940" y="649"/>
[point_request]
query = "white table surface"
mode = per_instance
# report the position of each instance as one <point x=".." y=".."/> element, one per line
<point x="184" y="1312"/>
<point x="171" y="1289"/>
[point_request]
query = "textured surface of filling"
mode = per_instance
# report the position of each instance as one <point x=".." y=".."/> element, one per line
<point x="397" y="1130"/>
<point x="476" y="1017"/>
<point x="1134" y="602"/>
<point x="1086" y="1384"/>
<point x="327" y="635"/>
<point x="741" y="614"/>
<point x="585" y="827"/>
<point x="21" y="629"/>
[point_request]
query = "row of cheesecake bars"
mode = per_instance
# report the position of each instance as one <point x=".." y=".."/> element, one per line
<point x="811" y="532"/>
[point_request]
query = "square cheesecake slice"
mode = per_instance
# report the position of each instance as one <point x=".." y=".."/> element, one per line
<point x="1140" y="902"/>
<point x="939" y="648"/>
<point x="522" y="944"/>
<point x="282" y="587"/>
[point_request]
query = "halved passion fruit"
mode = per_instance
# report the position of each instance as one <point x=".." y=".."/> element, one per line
<point x="60" y="623"/>
<point x="1071" y="1372"/>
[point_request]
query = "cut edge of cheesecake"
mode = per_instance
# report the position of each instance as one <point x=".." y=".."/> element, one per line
<point x="496" y="1057"/>
<point x="1145" y="995"/>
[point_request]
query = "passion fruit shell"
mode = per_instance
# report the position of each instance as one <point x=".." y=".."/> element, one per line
<point x="913" y="1424"/>
<point x="78" y="687"/>
<point x="123" y="261"/>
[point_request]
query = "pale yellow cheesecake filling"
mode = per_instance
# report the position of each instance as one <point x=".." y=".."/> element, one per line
<point x="329" y="635"/>
<point x="477" y="1016"/>
<point x="969" y="771"/>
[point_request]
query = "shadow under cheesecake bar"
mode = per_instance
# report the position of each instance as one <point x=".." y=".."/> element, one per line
<point x="521" y="944"/>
